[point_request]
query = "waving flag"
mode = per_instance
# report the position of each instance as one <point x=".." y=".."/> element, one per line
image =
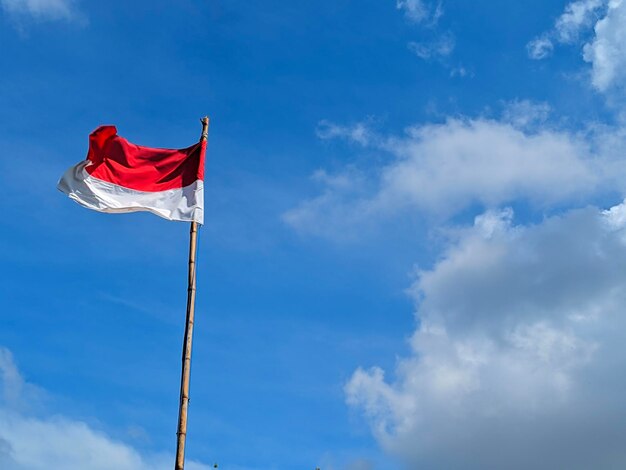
<point x="119" y="176"/>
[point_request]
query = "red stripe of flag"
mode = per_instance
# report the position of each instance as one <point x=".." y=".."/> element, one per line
<point x="115" y="160"/>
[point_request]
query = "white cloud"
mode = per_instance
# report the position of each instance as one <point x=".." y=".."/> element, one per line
<point x="607" y="51"/>
<point x="42" y="9"/>
<point x="10" y="378"/>
<point x="517" y="359"/>
<point x="526" y="114"/>
<point x="360" y="132"/>
<point x="445" y="167"/>
<point x="540" y="48"/>
<point x="438" y="49"/>
<point x="413" y="9"/>
<point x="34" y="442"/>
<point x="420" y="11"/>
<point x="577" y="16"/>
<point x="441" y="169"/>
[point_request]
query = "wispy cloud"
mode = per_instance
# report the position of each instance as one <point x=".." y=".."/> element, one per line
<point x="540" y="48"/>
<point x="441" y="44"/>
<point x="360" y="132"/>
<point x="441" y="169"/>
<point x="577" y="17"/>
<point x="526" y="114"/>
<point x="599" y="28"/>
<point x="42" y="10"/>
<point x="438" y="49"/>
<point x="421" y="11"/>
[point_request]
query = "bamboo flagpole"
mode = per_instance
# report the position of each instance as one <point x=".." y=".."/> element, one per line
<point x="181" y="434"/>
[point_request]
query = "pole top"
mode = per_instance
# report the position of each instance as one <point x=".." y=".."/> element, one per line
<point x="205" y="128"/>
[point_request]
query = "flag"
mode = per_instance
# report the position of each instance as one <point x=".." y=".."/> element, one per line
<point x="118" y="176"/>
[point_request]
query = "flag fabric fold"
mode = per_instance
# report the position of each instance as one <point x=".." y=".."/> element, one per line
<point x="118" y="176"/>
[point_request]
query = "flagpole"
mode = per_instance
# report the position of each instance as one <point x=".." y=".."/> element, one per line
<point x="181" y="433"/>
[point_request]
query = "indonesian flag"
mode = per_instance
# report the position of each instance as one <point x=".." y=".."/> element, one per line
<point x="119" y="176"/>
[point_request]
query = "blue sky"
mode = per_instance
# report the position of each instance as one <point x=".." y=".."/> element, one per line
<point x="413" y="248"/>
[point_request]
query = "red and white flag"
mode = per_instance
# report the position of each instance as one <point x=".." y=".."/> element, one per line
<point x="119" y="176"/>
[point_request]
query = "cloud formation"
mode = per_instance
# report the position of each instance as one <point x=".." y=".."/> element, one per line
<point x="606" y="52"/>
<point x="515" y="360"/>
<point x="442" y="169"/>
<point x="577" y="16"/>
<point x="604" y="47"/>
<point x="34" y="442"/>
<point x="517" y="355"/>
